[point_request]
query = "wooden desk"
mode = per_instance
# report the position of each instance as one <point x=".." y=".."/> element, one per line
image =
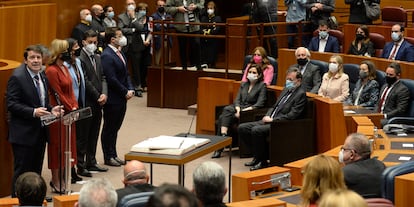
<point x="404" y="188"/>
<point x="264" y="202"/>
<point x="217" y="142"/>
<point x="65" y="200"/>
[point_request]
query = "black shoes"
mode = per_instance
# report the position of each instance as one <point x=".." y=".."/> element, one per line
<point x="97" y="167"/>
<point x="217" y="154"/>
<point x="259" y="165"/>
<point x="138" y="93"/>
<point x="121" y="162"/>
<point x="84" y="172"/>
<point x="112" y="162"/>
<point x="55" y="189"/>
<point x="252" y="163"/>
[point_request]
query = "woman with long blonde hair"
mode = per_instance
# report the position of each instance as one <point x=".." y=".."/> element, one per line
<point x="335" y="83"/>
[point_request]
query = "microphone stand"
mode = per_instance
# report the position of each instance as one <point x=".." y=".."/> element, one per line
<point x="60" y="141"/>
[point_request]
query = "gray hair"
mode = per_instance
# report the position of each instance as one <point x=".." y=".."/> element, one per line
<point x="98" y="192"/>
<point x="360" y="144"/>
<point x="209" y="183"/>
<point x="308" y="54"/>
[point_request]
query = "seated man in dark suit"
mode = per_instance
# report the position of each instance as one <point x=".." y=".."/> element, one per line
<point x="324" y="42"/>
<point x="97" y="192"/>
<point x="30" y="189"/>
<point x="394" y="95"/>
<point x="290" y="105"/>
<point x="135" y="180"/>
<point x="311" y="76"/>
<point x="362" y="174"/>
<point x="398" y="49"/>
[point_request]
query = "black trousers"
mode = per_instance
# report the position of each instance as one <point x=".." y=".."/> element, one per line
<point x="27" y="159"/>
<point x="87" y="133"/>
<point x="113" y="117"/>
<point x="135" y="58"/>
<point x="254" y="134"/>
<point x="195" y="50"/>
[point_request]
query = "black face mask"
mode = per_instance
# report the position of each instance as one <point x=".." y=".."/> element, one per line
<point x="77" y="52"/>
<point x="360" y="37"/>
<point x="390" y="80"/>
<point x="65" y="56"/>
<point x="102" y="16"/>
<point x="302" y="61"/>
<point x="161" y="9"/>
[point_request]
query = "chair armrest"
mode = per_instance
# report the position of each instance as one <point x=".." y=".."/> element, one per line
<point x="401" y="120"/>
<point x="252" y="115"/>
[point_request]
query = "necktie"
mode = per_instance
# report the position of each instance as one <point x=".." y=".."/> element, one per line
<point x="381" y="103"/>
<point x="120" y="56"/>
<point x="280" y="105"/>
<point x="93" y="62"/>
<point x="38" y="88"/>
<point x="392" y="54"/>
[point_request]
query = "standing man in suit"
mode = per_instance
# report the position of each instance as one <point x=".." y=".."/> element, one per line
<point x="289" y="106"/>
<point x="398" y="49"/>
<point x="120" y="90"/>
<point x="85" y="24"/>
<point x="27" y="101"/>
<point x="311" y="76"/>
<point x="394" y="95"/>
<point x="87" y="130"/>
<point x="324" y="42"/>
<point x="132" y="24"/>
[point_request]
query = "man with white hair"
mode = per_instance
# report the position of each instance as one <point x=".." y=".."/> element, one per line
<point x="97" y="192"/>
<point x="84" y="25"/>
<point x="311" y="76"/>
<point x="209" y="184"/>
<point x="135" y="179"/>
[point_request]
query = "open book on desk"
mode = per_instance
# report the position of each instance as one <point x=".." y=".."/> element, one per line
<point x="169" y="145"/>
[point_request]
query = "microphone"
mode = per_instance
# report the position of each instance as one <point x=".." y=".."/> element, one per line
<point x="188" y="134"/>
<point x="57" y="99"/>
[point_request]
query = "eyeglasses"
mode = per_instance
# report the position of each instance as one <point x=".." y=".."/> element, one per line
<point x="345" y="149"/>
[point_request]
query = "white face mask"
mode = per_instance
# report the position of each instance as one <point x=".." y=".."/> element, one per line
<point x="251" y="77"/>
<point x="88" y="18"/>
<point x="131" y="7"/>
<point x="210" y="11"/>
<point x="333" y="67"/>
<point x="341" y="156"/>
<point x="91" y="48"/>
<point x="122" y="41"/>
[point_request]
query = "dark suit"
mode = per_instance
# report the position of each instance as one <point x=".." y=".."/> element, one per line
<point x="131" y="189"/>
<point x="332" y="44"/>
<point x="311" y="77"/>
<point x="78" y="32"/>
<point x="396" y="103"/>
<point x="119" y="83"/>
<point x="255" y="133"/>
<point x="26" y="134"/>
<point x="369" y="94"/>
<point x="404" y="53"/>
<point x="87" y="130"/>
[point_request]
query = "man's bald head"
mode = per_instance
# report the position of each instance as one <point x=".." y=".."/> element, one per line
<point x="135" y="173"/>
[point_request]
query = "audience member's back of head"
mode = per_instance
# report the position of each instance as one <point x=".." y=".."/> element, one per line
<point x="342" y="198"/>
<point x="172" y="195"/>
<point x="97" y="192"/>
<point x="30" y="189"/>
<point x="209" y="182"/>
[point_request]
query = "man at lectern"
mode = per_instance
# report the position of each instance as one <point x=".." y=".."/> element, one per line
<point x="27" y="101"/>
<point x="290" y="105"/>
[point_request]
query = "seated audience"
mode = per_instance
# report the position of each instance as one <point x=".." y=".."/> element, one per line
<point x="394" y="95"/>
<point x="361" y="172"/>
<point x="135" y="180"/>
<point x="322" y="174"/>
<point x="97" y="192"/>
<point x="259" y="57"/>
<point x="30" y="189"/>
<point x="324" y="42"/>
<point x="398" y="49"/>
<point x="335" y="83"/>
<point x="290" y="105"/>
<point x="342" y="198"/>
<point x="311" y="77"/>
<point x="172" y="195"/>
<point x="362" y="45"/>
<point x="209" y="183"/>
<point x="366" y="92"/>
<point x="251" y="95"/>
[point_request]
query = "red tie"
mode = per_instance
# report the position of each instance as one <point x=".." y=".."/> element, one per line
<point x="392" y="55"/>
<point x="120" y="56"/>
<point x="382" y="99"/>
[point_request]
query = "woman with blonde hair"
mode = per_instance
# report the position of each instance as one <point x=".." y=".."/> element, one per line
<point x="321" y="174"/>
<point x="259" y="57"/>
<point x="335" y="83"/>
<point x="342" y="198"/>
<point x="61" y="92"/>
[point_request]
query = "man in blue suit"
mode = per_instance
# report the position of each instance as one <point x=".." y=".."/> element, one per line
<point x="398" y="49"/>
<point x="27" y="101"/>
<point x="120" y="90"/>
<point x="324" y="42"/>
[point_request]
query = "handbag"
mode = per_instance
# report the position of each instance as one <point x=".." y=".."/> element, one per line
<point x="373" y="10"/>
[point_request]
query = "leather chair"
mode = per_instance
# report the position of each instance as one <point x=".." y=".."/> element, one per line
<point x="352" y="70"/>
<point x="136" y="199"/>
<point x="379" y="202"/>
<point x="380" y="77"/>
<point x="379" y="41"/>
<point x="336" y="33"/>
<point x="410" y="115"/>
<point x="292" y="140"/>
<point x="410" y="40"/>
<point x="393" y="15"/>
<point x="272" y="61"/>
<point x="323" y="66"/>
<point x="388" y="177"/>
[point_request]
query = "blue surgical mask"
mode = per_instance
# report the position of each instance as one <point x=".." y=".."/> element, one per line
<point x="111" y="14"/>
<point x="395" y="37"/>
<point x="142" y="12"/>
<point x="289" y="84"/>
<point x="323" y="34"/>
